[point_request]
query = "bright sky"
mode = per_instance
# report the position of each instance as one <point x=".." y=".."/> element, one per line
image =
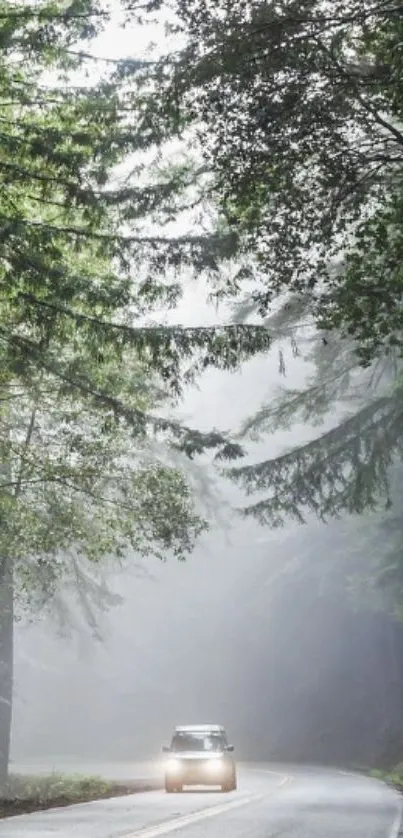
<point x="131" y="41"/>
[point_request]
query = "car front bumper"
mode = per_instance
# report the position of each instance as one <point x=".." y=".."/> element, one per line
<point x="211" y="772"/>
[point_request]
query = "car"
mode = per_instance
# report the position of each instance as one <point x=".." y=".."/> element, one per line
<point x="200" y="755"/>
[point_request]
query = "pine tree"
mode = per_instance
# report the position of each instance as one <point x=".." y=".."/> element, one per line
<point x="298" y="109"/>
<point x="78" y="488"/>
<point x="344" y="468"/>
<point x="88" y="379"/>
<point x="349" y="470"/>
<point x="79" y="254"/>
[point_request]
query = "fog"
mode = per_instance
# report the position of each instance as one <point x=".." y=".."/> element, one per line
<point x="231" y="636"/>
<point x="174" y="649"/>
<point x="209" y="640"/>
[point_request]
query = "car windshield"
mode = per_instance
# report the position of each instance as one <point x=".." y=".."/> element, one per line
<point x="198" y="742"/>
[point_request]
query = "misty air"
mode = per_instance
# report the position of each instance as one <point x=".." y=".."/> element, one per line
<point x="201" y="332"/>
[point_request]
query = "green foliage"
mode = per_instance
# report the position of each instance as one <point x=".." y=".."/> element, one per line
<point x="366" y="301"/>
<point x="24" y="794"/>
<point x="81" y="271"/>
<point x="393" y="777"/>
<point x="46" y="788"/>
<point x="85" y="266"/>
<point x="298" y="111"/>
<point x="347" y="464"/>
<point x="344" y="470"/>
<point x="77" y="484"/>
<point x="297" y="107"/>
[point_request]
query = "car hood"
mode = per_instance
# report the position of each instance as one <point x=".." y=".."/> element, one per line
<point x="196" y="755"/>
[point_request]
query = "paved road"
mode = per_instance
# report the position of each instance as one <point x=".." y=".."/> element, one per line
<point x="271" y="802"/>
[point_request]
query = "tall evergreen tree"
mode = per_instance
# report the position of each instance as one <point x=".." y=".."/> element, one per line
<point x="345" y="467"/>
<point x="87" y="377"/>
<point x="298" y="111"/>
<point x="78" y="253"/>
<point x="297" y="108"/>
<point x="352" y="462"/>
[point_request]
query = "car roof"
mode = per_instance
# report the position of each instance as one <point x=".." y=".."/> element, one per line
<point x="199" y="729"/>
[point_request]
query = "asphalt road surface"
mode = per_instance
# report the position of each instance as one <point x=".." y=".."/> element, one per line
<point x="271" y="802"/>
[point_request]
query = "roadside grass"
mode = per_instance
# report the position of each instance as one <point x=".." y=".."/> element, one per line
<point x="24" y="794"/>
<point x="394" y="777"/>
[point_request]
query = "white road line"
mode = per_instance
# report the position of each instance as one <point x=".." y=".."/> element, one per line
<point x="395" y="831"/>
<point x="195" y="817"/>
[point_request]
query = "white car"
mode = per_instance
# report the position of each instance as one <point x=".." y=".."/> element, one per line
<point x="199" y="755"/>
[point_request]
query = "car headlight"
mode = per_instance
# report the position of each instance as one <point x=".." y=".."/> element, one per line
<point x="215" y="765"/>
<point x="174" y="765"/>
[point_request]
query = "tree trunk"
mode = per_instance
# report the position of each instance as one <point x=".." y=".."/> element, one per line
<point x="6" y="663"/>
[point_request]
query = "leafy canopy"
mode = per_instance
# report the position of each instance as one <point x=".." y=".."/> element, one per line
<point x="86" y="265"/>
<point x="298" y="110"/>
<point x="347" y="464"/>
<point x="82" y="269"/>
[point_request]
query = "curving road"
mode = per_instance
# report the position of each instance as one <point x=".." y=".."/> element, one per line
<point x="271" y="802"/>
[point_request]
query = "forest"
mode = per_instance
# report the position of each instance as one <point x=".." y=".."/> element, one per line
<point x="258" y="154"/>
